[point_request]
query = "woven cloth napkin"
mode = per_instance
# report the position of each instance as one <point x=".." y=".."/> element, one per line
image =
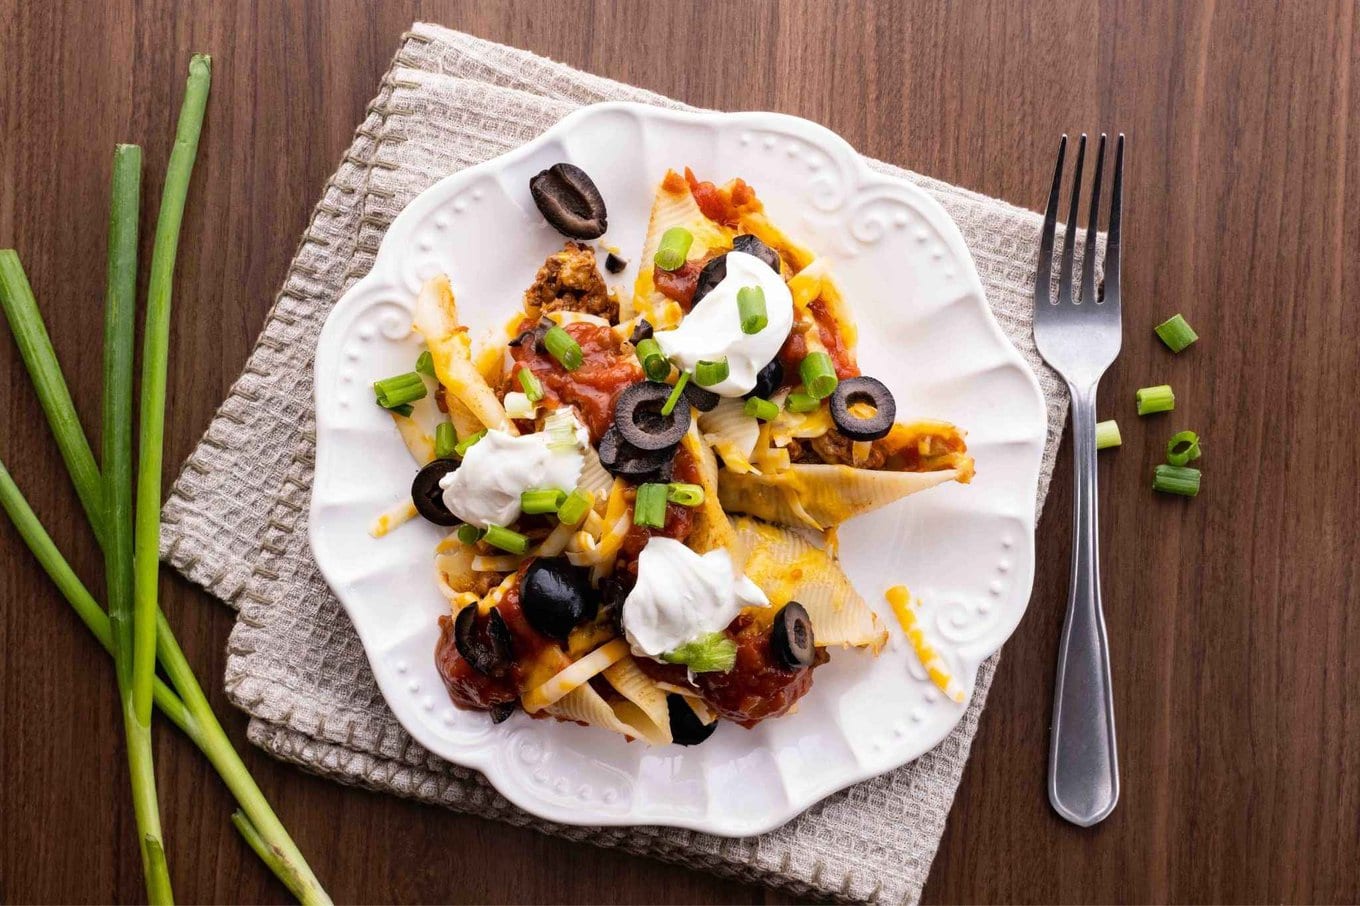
<point x="236" y="521"/>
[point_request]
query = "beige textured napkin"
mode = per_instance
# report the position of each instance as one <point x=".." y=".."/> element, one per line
<point x="236" y="521"/>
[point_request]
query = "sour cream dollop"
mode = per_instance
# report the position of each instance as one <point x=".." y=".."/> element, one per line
<point x="712" y="330"/>
<point x="681" y="596"/>
<point x="486" y="488"/>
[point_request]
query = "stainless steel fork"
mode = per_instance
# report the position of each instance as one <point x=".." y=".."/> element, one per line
<point x="1080" y="337"/>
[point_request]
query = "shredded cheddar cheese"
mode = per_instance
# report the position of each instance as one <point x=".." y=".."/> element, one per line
<point x="402" y="512"/>
<point x="576" y="674"/>
<point x="900" y="601"/>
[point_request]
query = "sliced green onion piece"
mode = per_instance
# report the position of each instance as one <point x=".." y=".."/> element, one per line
<point x="819" y="375"/>
<point x="563" y="348"/>
<point x="561" y="429"/>
<point x="404" y="409"/>
<point x="518" y="406"/>
<point x="684" y="494"/>
<point x="653" y="360"/>
<point x="1107" y="434"/>
<point x="466" y="443"/>
<point x="470" y="534"/>
<point x="1182" y="448"/>
<point x="445" y="441"/>
<point x="799" y="401"/>
<point x="575" y="507"/>
<point x="536" y="501"/>
<point x="533" y="387"/>
<point x="706" y="374"/>
<point x="505" y="539"/>
<point x="1181" y="480"/>
<point x="762" y="409"/>
<point x="1176" y="333"/>
<point x="711" y="653"/>
<point x="425" y="364"/>
<point x="1155" y="399"/>
<point x="399" y="389"/>
<point x="669" y="406"/>
<point x="674" y="246"/>
<point x="649" y="508"/>
<point x="751" y="307"/>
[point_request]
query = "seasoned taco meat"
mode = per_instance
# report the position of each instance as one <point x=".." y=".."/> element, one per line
<point x="570" y="281"/>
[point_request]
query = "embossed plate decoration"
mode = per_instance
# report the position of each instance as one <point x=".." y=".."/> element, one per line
<point x="924" y="329"/>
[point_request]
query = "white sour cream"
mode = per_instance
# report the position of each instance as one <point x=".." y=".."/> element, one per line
<point x="681" y="595"/>
<point x="486" y="488"/>
<point x="712" y="330"/>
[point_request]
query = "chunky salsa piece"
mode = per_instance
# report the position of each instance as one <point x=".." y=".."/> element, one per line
<point x="605" y="370"/>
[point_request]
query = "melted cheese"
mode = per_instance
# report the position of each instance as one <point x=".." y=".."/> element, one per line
<point x="900" y="601"/>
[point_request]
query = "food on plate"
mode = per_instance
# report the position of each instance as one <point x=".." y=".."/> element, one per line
<point x="641" y="490"/>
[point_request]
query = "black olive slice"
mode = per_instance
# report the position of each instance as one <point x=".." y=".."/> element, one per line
<point x="686" y="727"/>
<point x="643" y="331"/>
<point x="556" y="597"/>
<point x="791" y="639"/>
<point x="753" y="246"/>
<point x="569" y="200"/>
<point x="626" y="461"/>
<point x="700" y="398"/>
<point x="484" y="644"/>
<point x="768" y="380"/>
<point x="501" y="712"/>
<point x="863" y="390"/>
<point x="614" y="264"/>
<point x="637" y="415"/>
<point x="428" y="496"/>
<point x="613" y="592"/>
<point x="714" y="272"/>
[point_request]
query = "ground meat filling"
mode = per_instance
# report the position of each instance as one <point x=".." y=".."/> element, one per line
<point x="834" y="448"/>
<point x="570" y="281"/>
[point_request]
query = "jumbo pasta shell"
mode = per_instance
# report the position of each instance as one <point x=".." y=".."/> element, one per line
<point x="788" y="567"/>
<point x="650" y="713"/>
<point x="583" y="705"/>
<point x="712" y="528"/>
<point x="821" y="496"/>
<point x="436" y="317"/>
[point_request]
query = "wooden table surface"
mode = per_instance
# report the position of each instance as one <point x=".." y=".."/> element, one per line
<point x="1233" y="617"/>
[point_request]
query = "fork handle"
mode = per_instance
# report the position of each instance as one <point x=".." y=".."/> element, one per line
<point x="1083" y="764"/>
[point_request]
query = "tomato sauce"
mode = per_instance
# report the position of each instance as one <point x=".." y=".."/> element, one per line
<point x="829" y="331"/>
<point x="758" y="687"/>
<point x="680" y="283"/>
<point x="722" y="204"/>
<point x="605" y="370"/>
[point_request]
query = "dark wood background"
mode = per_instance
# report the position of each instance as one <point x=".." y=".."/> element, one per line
<point x="1236" y="638"/>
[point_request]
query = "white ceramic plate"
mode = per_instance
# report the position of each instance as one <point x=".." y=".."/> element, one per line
<point x="925" y="331"/>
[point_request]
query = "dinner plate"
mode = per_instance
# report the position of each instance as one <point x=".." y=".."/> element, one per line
<point x="924" y="329"/>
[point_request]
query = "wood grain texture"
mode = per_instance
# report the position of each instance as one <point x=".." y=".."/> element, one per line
<point x="1233" y="616"/>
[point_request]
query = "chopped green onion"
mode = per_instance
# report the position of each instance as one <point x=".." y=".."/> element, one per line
<point x="1182" y="448"/>
<point x="669" y="406"/>
<point x="505" y="539"/>
<point x="711" y="653"/>
<point x="751" y="307"/>
<point x="762" y="409"/>
<point x="466" y="443"/>
<point x="1181" y="480"/>
<point x="425" y="364"/>
<point x="653" y="360"/>
<point x="402" y="388"/>
<point x="575" y="507"/>
<point x="819" y="375"/>
<point x="405" y="409"/>
<point x="533" y="387"/>
<point x="802" y="402"/>
<point x="674" y="246"/>
<point x="649" y="508"/>
<point x="684" y="494"/>
<point x="1155" y="399"/>
<point x="706" y="374"/>
<point x="1107" y="434"/>
<point x="470" y="534"/>
<point x="563" y="348"/>
<point x="518" y="406"/>
<point x="536" y="501"/>
<point x="1176" y="333"/>
<point x="445" y="441"/>
<point x="561" y="429"/>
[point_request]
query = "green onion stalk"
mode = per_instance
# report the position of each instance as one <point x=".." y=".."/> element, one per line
<point x="135" y="668"/>
<point x="183" y="700"/>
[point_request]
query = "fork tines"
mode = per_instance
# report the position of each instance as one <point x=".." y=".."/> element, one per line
<point x="1045" y="268"/>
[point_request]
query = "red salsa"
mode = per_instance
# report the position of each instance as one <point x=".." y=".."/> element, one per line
<point x="605" y="370"/>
